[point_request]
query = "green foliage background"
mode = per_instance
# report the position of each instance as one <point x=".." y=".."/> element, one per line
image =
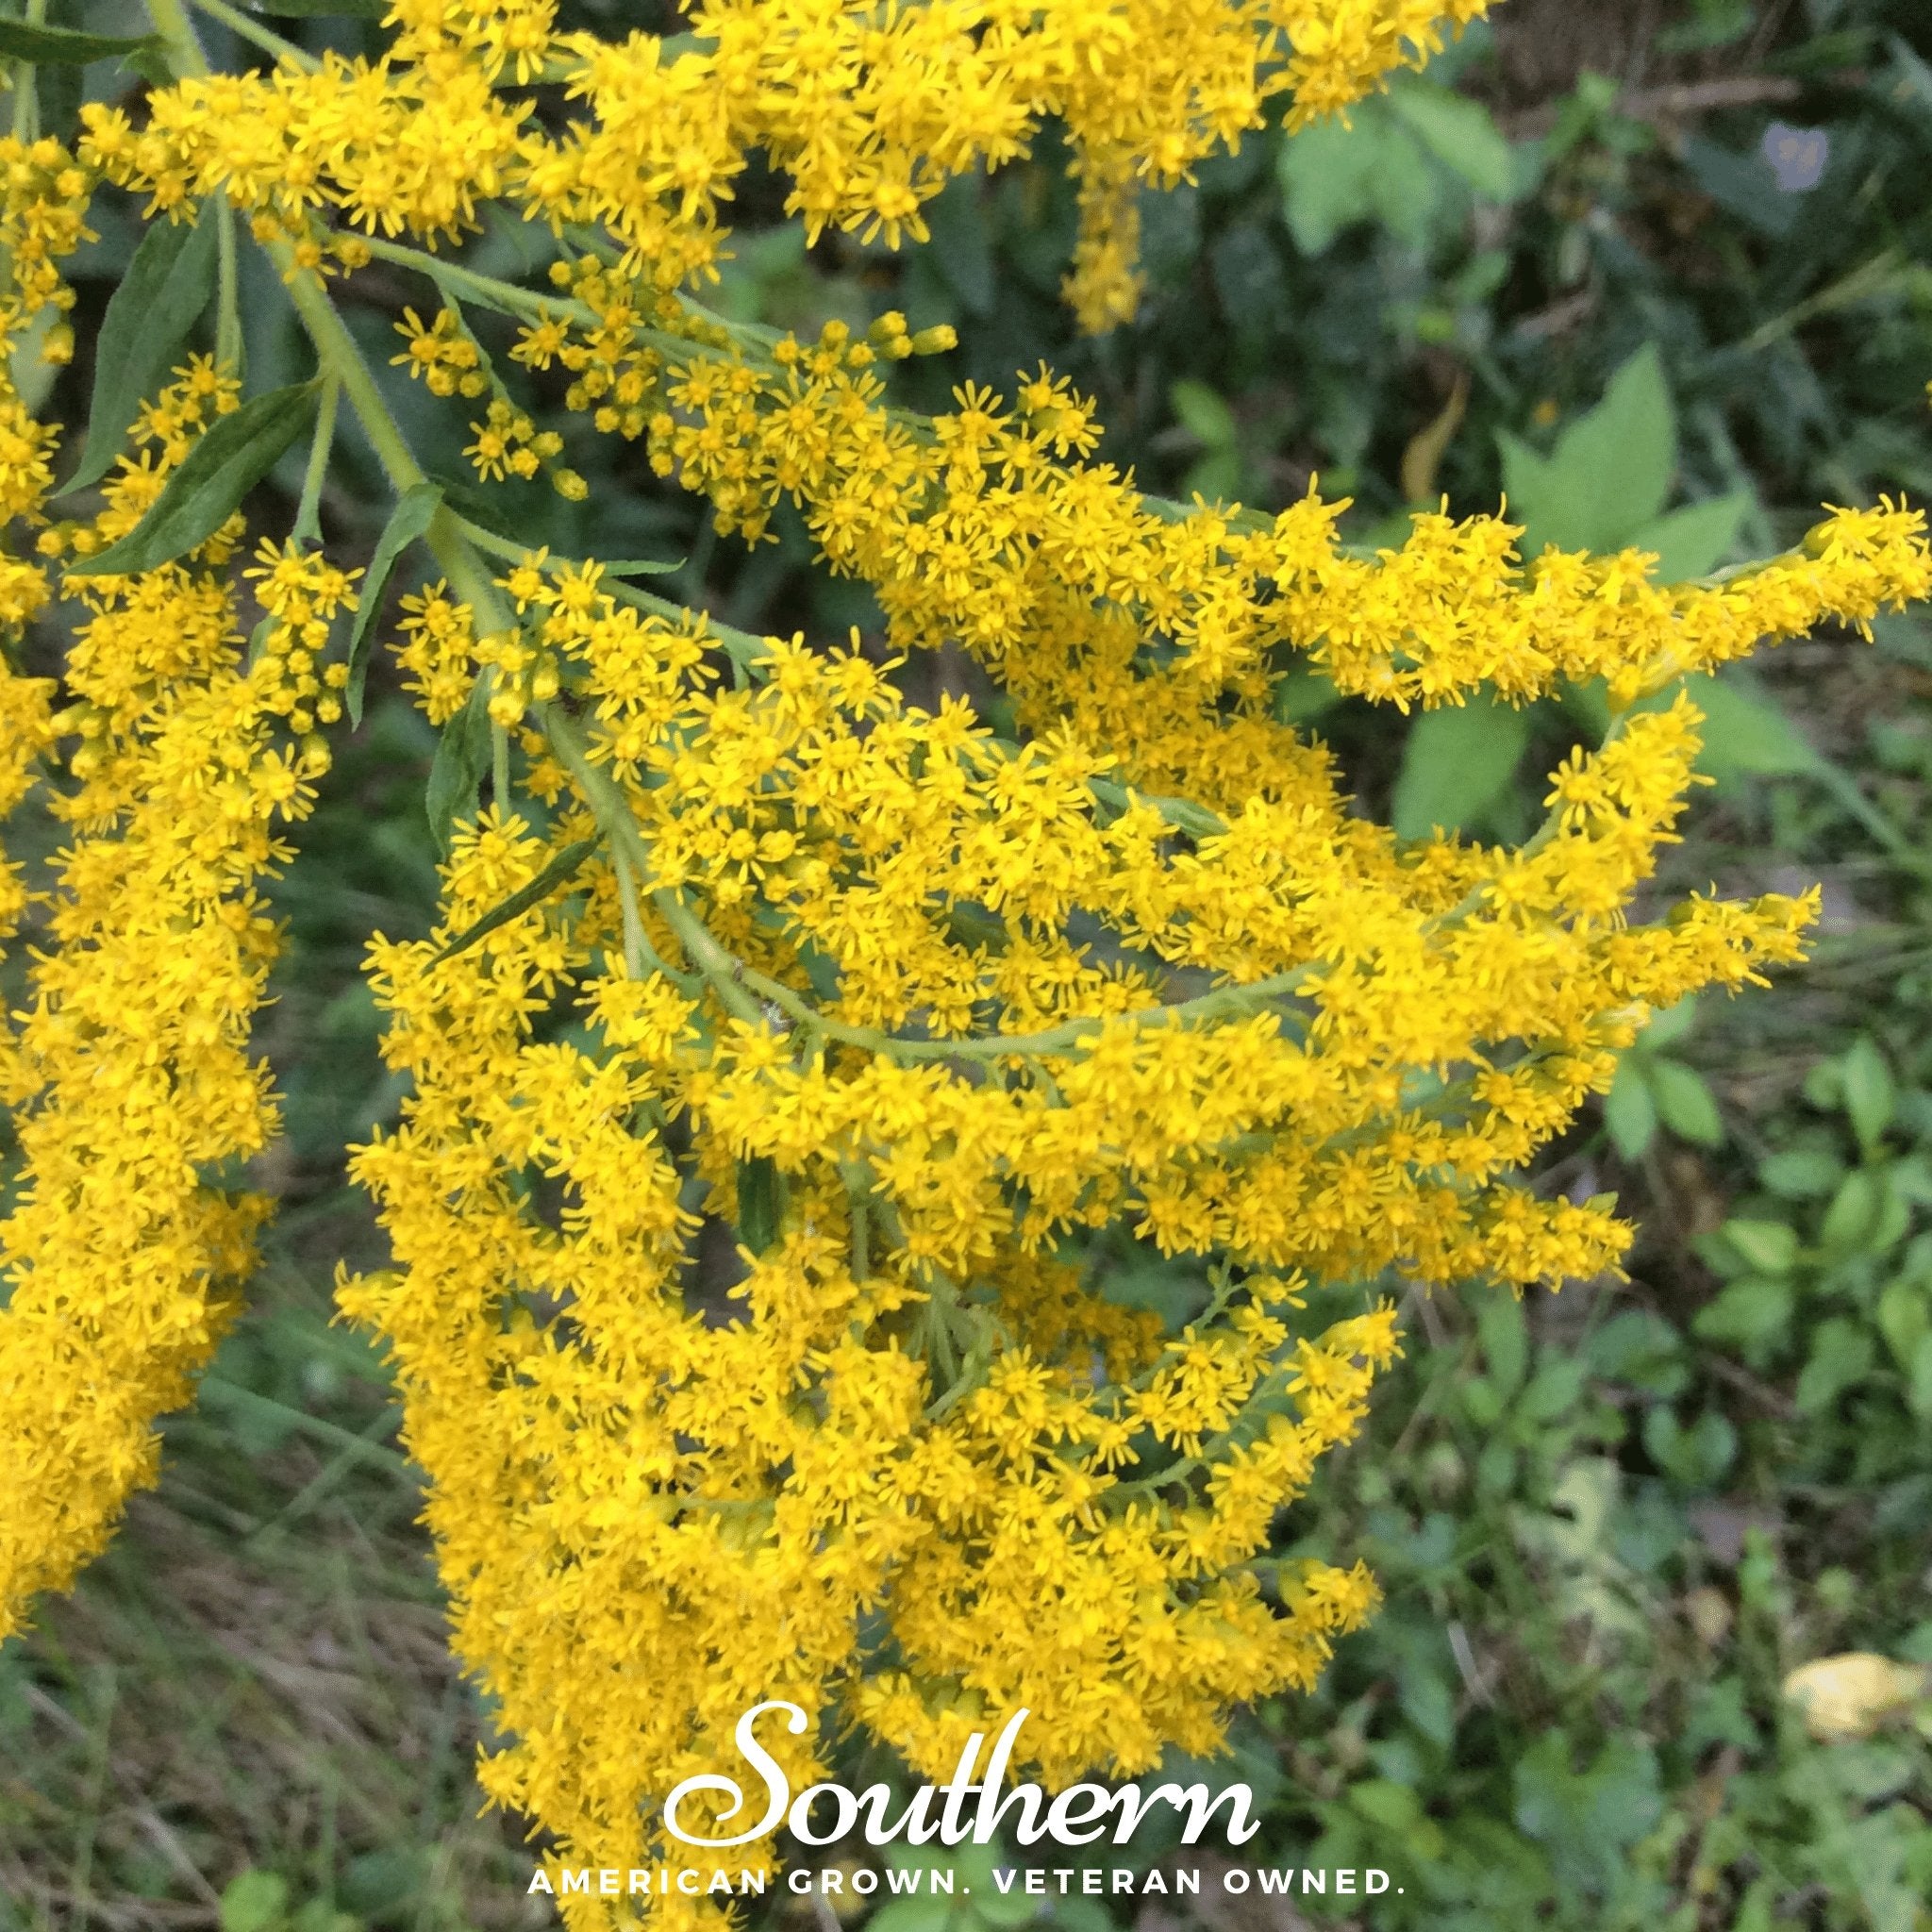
<point x="1608" y="1522"/>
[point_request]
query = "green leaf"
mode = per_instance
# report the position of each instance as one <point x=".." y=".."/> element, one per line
<point x="1629" y="1112"/>
<point x="566" y="865"/>
<point x="1842" y="1354"/>
<point x="1460" y="133"/>
<point x="1769" y="1246"/>
<point x="409" y="519"/>
<point x="1204" y="412"/>
<point x="1871" y="1099"/>
<point x="59" y="46"/>
<point x="1745" y="734"/>
<point x="1505" y="1342"/>
<point x="1692" y="541"/>
<point x="1752" y="1315"/>
<point x="252" y="1901"/>
<point x="1905" y="1319"/>
<point x="199" y="497"/>
<point x="1801" y="1174"/>
<point x="462" y="755"/>
<point x="1865" y="1216"/>
<point x="1670" y="1025"/>
<point x="1458" y="761"/>
<point x="1609" y="476"/>
<point x="159" y="299"/>
<point x="1333" y="176"/>
<point x="761" y="1204"/>
<point x="1684" y="1103"/>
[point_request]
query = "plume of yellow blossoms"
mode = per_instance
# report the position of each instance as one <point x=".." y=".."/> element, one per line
<point x="870" y="109"/>
<point x="128" y="1075"/>
<point x="927" y="1025"/>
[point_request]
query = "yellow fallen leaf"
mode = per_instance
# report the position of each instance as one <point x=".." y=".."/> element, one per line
<point x="1851" y="1695"/>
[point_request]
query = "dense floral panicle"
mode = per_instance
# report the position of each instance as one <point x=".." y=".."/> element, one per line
<point x="1290" y="1041"/>
<point x="977" y="527"/>
<point x="870" y="109"/>
<point x="690" y="1498"/>
<point x="129" y="1074"/>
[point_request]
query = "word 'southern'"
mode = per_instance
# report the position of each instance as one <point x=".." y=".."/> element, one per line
<point x="1079" y="1816"/>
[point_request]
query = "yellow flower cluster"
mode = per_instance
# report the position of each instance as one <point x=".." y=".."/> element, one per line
<point x="926" y="1028"/>
<point x="871" y="109"/>
<point x="693" y="1506"/>
<point x="130" y="1078"/>
<point x="879" y="1037"/>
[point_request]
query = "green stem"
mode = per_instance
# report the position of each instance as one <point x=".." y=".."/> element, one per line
<point x="499" y="770"/>
<point x="27" y="99"/>
<point x="249" y="29"/>
<point x="309" y="511"/>
<point x="184" y="48"/>
<point x="341" y="360"/>
<point x="228" y="339"/>
<point x="741" y="988"/>
<point x="613" y="813"/>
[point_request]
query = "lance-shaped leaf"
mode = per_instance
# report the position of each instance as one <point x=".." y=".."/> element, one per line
<point x="199" y="497"/>
<point x="409" y="519"/>
<point x="60" y="47"/>
<point x="760" y="1202"/>
<point x="462" y="755"/>
<point x="565" y="866"/>
<point x="159" y="300"/>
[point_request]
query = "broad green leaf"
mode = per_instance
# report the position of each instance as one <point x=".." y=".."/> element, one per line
<point x="1457" y="763"/>
<point x="1852" y="1221"/>
<point x="253" y="1900"/>
<point x="1684" y="1103"/>
<point x="462" y="755"/>
<point x="1692" y="541"/>
<point x="760" y="1202"/>
<point x="1670" y="1025"/>
<point x="1769" y="1246"/>
<point x="1327" y="180"/>
<point x="1696" y="1457"/>
<point x="1753" y="1315"/>
<point x="563" y="867"/>
<point x="1333" y="176"/>
<point x="1905" y="1319"/>
<point x="1406" y="186"/>
<point x="235" y="455"/>
<point x="1801" y="1174"/>
<point x="1460" y="133"/>
<point x="1745" y="734"/>
<point x="1870" y="1098"/>
<point x="1505" y="1342"/>
<point x="1204" y="412"/>
<point x="1529" y="481"/>
<point x="1629" y="1112"/>
<point x="409" y="519"/>
<point x="1842" y="1354"/>
<point x="1609" y="475"/>
<point x="167" y="286"/>
<point x="60" y="47"/>
<point x="320" y="9"/>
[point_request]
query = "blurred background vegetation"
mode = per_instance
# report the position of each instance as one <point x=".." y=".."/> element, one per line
<point x="1662" y="270"/>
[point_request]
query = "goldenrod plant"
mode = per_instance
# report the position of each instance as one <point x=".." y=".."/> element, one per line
<point x="731" y="930"/>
